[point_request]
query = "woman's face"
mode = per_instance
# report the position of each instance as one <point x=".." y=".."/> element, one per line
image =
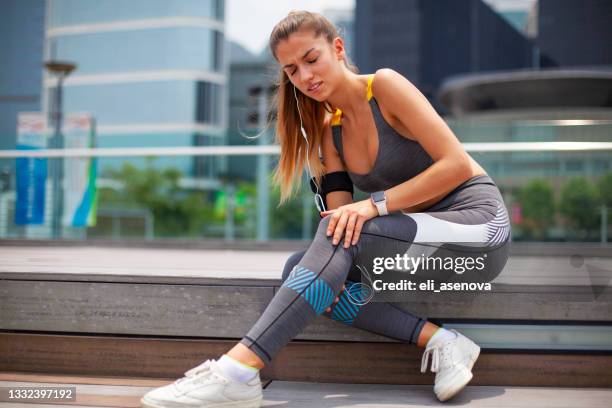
<point x="311" y="64"/>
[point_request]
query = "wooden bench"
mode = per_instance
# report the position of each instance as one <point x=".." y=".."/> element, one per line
<point x="77" y="308"/>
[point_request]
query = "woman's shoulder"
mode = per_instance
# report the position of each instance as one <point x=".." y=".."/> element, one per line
<point x="393" y="90"/>
<point x="384" y="79"/>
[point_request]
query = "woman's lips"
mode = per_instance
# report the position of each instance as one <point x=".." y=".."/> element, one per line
<point x="316" y="87"/>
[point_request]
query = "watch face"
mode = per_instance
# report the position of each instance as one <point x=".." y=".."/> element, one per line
<point x="378" y="196"/>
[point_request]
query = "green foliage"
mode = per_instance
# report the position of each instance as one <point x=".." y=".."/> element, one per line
<point x="579" y="203"/>
<point x="245" y="208"/>
<point x="537" y="207"/>
<point x="604" y="185"/>
<point x="176" y="211"/>
<point x="286" y="220"/>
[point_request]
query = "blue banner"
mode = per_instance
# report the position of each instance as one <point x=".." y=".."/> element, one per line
<point x="31" y="179"/>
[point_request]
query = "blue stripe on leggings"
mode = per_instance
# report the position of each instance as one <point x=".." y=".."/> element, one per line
<point x="318" y="293"/>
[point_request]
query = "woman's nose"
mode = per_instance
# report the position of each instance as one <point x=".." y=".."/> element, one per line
<point x="305" y="76"/>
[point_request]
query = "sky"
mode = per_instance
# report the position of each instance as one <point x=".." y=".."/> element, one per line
<point x="250" y="22"/>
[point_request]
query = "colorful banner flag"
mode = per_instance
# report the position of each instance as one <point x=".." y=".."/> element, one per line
<point x="31" y="172"/>
<point x="80" y="193"/>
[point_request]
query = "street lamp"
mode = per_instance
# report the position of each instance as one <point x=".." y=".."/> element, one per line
<point x="263" y="199"/>
<point x="61" y="69"/>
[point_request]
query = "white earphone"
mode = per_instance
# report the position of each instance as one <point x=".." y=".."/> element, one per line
<point x="319" y="202"/>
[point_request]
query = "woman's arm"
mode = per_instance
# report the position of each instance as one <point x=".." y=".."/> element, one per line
<point x="332" y="163"/>
<point x="409" y="106"/>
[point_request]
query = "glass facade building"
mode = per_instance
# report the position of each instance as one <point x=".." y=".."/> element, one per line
<point x="21" y="50"/>
<point x="153" y="73"/>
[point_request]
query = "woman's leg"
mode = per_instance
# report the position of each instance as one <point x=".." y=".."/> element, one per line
<point x="314" y="282"/>
<point x="487" y="224"/>
<point x="311" y="287"/>
<point x="317" y="279"/>
<point x="308" y="291"/>
<point x="398" y="323"/>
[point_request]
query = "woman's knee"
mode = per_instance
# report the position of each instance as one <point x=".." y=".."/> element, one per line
<point x="322" y="228"/>
<point x="291" y="262"/>
<point x="321" y="234"/>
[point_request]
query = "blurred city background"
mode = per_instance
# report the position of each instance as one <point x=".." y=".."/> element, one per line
<point x="140" y="233"/>
<point x="165" y="90"/>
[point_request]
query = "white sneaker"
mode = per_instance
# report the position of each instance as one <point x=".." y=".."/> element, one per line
<point x="452" y="361"/>
<point x="205" y="386"/>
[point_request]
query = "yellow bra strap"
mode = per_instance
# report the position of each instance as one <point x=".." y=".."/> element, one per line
<point x="369" y="93"/>
<point x="337" y="118"/>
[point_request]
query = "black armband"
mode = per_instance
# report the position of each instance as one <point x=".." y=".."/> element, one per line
<point x="335" y="181"/>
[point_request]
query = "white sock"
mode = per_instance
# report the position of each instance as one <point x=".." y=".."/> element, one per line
<point x="441" y="335"/>
<point x="236" y="370"/>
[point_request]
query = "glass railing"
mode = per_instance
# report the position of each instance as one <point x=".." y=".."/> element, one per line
<point x="553" y="192"/>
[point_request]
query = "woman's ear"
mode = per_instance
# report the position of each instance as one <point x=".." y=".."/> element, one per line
<point x="338" y="46"/>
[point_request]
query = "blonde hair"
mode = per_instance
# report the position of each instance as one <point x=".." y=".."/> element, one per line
<point x="288" y="134"/>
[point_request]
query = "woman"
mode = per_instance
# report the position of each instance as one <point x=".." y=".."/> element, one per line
<point x="380" y="133"/>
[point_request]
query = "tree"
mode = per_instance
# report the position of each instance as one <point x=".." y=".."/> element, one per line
<point x="176" y="211"/>
<point x="286" y="221"/>
<point x="579" y="204"/>
<point x="604" y="185"/>
<point x="538" y="208"/>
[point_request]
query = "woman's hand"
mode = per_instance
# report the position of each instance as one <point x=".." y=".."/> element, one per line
<point x="328" y="310"/>
<point x="350" y="217"/>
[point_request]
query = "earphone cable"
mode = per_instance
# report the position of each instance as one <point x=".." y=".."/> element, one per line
<point x="307" y="144"/>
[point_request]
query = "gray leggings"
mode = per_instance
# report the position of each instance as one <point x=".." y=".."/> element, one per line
<point x="471" y="217"/>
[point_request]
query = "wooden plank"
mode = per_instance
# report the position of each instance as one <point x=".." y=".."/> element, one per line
<point x="104" y="356"/>
<point x="205" y="310"/>
<point x="583" y="305"/>
<point x="595" y="249"/>
<point x="130" y="308"/>
<point x="400" y="364"/>
<point x="46" y="378"/>
<point x="121" y="383"/>
<point x="80" y="379"/>
<point x="349" y="362"/>
<point x="212" y="266"/>
<point x="202" y="243"/>
<point x="33" y="405"/>
<point x="187" y="310"/>
<point x="144" y="262"/>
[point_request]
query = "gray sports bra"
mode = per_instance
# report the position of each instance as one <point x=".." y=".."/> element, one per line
<point x="398" y="159"/>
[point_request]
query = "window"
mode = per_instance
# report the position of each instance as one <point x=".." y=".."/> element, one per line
<point x="208" y="103"/>
<point x="217" y="49"/>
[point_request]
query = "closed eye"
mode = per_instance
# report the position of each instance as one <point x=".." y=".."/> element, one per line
<point x="310" y="62"/>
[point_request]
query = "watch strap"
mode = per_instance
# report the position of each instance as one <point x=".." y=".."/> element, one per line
<point x="380" y="201"/>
